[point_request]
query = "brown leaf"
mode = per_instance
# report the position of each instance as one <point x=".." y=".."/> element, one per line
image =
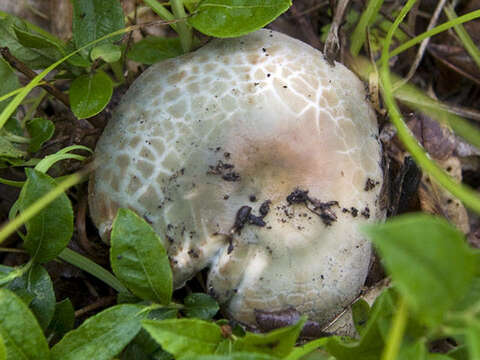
<point x="435" y="200"/>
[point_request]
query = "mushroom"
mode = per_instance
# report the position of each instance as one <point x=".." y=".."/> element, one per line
<point x="257" y="159"/>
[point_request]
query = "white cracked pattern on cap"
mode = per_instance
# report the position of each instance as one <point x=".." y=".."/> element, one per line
<point x="237" y="123"/>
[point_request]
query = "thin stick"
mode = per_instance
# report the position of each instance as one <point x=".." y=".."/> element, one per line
<point x="30" y="74"/>
<point x="100" y="303"/>
<point x="423" y="45"/>
<point x="332" y="43"/>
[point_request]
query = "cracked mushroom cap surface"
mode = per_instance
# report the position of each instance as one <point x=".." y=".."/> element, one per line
<point x="257" y="159"/>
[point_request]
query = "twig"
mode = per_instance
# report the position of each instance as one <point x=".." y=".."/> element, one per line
<point x="424" y="44"/>
<point x="30" y="74"/>
<point x="332" y="43"/>
<point x="100" y="303"/>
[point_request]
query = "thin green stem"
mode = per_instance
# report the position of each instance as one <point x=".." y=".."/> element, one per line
<point x="467" y="195"/>
<point x="92" y="268"/>
<point x="15" y="138"/>
<point x="464" y="37"/>
<point x="162" y="11"/>
<point x="184" y="30"/>
<point x="436" y="30"/>
<point x="395" y="335"/>
<point x="10" y="227"/>
<point x="360" y="33"/>
<point x="12" y="250"/>
<point x="16" y="101"/>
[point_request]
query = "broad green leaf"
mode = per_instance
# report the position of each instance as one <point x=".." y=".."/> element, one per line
<point x="143" y="343"/>
<point x="9" y="80"/>
<point x="232" y="356"/>
<point x="182" y="337"/>
<point x="49" y="232"/>
<point x="191" y="4"/>
<point x="37" y="283"/>
<point x="360" y="312"/>
<point x="93" y="19"/>
<point x="89" y="94"/>
<point x="429" y="261"/>
<point x="34" y="58"/>
<point x="371" y="343"/>
<point x="40" y="130"/>
<point x="153" y="49"/>
<point x="102" y="336"/>
<point x="108" y="52"/>
<point x="473" y="339"/>
<point x="231" y="18"/>
<point x="458" y="353"/>
<point x="8" y="273"/>
<point x="200" y="305"/>
<point x="22" y="336"/>
<point x="63" y="318"/>
<point x="139" y="259"/>
<point x="36" y="41"/>
<point x="415" y="350"/>
<point x="279" y="342"/>
<point x="3" y="349"/>
<point x="300" y="352"/>
<point x="8" y="150"/>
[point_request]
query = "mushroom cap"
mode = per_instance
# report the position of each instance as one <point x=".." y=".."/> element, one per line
<point x="207" y="147"/>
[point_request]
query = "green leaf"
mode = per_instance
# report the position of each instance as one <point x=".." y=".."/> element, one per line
<point x="182" y="337"/>
<point x="371" y="343"/>
<point x="36" y="282"/>
<point x="231" y="18"/>
<point x="8" y="273"/>
<point x="32" y="57"/>
<point x="360" y="312"/>
<point x="139" y="259"/>
<point x="200" y="305"/>
<point x="40" y="130"/>
<point x="3" y="349"/>
<point x="89" y="94"/>
<point x="93" y="19"/>
<point x="49" y="232"/>
<point x="22" y="336"/>
<point x="7" y="149"/>
<point x="153" y="49"/>
<point x="232" y="356"/>
<point x="300" y="351"/>
<point x="63" y="318"/>
<point x="9" y="80"/>
<point x="143" y="342"/>
<point x="102" y="336"/>
<point x="36" y="41"/>
<point x="473" y="339"/>
<point x="414" y="245"/>
<point x="108" y="52"/>
<point x="279" y="342"/>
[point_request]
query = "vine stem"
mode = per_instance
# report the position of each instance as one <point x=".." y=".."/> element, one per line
<point x="395" y="335"/>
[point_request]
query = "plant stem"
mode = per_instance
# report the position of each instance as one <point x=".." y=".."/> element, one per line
<point x="395" y="334"/>
<point x="162" y="11"/>
<point x="92" y="268"/>
<point x="465" y="194"/>
<point x="184" y="30"/>
<point x="15" y="138"/>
